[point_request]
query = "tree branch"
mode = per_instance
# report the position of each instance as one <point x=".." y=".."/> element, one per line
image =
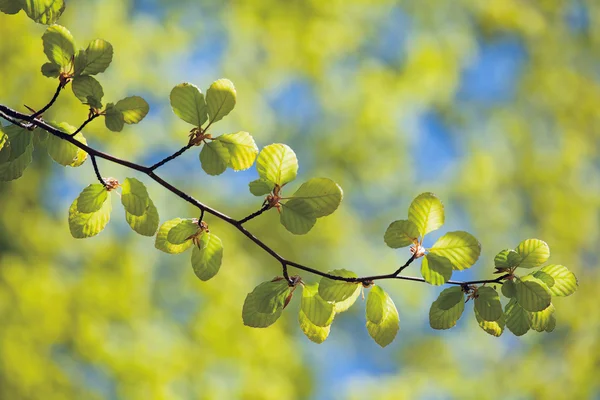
<point x="97" y="171"/>
<point x="14" y="116"/>
<point x="60" y="87"/>
<point x="172" y="156"/>
<point x="87" y="121"/>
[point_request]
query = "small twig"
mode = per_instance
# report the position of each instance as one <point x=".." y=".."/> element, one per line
<point x="201" y="215"/>
<point x="254" y="214"/>
<point x="97" y="171"/>
<point x="87" y="121"/>
<point x="60" y="87"/>
<point x="172" y="156"/>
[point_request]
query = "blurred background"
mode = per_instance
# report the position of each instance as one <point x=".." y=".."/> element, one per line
<point x="491" y="104"/>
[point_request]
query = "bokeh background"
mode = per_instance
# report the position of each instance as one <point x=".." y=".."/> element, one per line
<point x="491" y="104"/>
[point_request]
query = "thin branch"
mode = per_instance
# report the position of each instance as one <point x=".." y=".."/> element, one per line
<point x="172" y="156"/>
<point x="60" y="87"/>
<point x="14" y="117"/>
<point x="97" y="171"/>
<point x="87" y="121"/>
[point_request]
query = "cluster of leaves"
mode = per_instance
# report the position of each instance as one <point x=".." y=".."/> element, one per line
<point x="41" y="11"/>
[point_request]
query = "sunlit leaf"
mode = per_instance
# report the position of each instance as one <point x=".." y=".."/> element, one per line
<point x="145" y="224"/>
<point x="134" y="196"/>
<point x="85" y="86"/>
<point x="220" y="99"/>
<point x="162" y="243"/>
<point x="260" y="187"/>
<point x="494" y="328"/>
<point x="183" y="231"/>
<point x="317" y="310"/>
<point x="447" y="309"/>
<point x="551" y="323"/>
<point x="487" y="304"/>
<point x="59" y="45"/>
<point x="517" y="320"/>
<point x="337" y="291"/>
<point x="114" y="118"/>
<point x="44" y="11"/>
<point x="507" y="259"/>
<point x="10" y="6"/>
<point x="401" y="233"/>
<point x="383" y="321"/>
<point x="558" y="279"/>
<point x="264" y="304"/>
<point x="315" y="333"/>
<point x="533" y="252"/>
<point x="17" y="155"/>
<point x="98" y="56"/>
<point x="207" y="256"/>
<point x="436" y="269"/>
<point x="92" y="198"/>
<point x="508" y="289"/>
<point x="461" y="248"/>
<point x="322" y="194"/>
<point x="51" y="70"/>
<point x="540" y="320"/>
<point x="188" y="104"/>
<point x="532" y="294"/>
<point x="242" y="149"/>
<point x="427" y="213"/>
<point x="277" y="163"/>
<point x="63" y="152"/>
<point x="214" y="157"/>
<point x="84" y="225"/>
<point x="297" y="216"/>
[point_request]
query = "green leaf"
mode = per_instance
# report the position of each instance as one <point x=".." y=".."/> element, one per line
<point x="558" y="279"/>
<point x="59" y="45"/>
<point x="540" y="320"/>
<point x="322" y="194"/>
<point x="183" y="231"/>
<point x="3" y="139"/>
<point x="63" y="152"/>
<point x="315" y="333"/>
<point x="17" y="155"/>
<point x="134" y="109"/>
<point x="114" y="118"/>
<point x="220" y="99"/>
<point x="162" y="243"/>
<point x="461" y="248"/>
<point x="551" y="323"/>
<point x="79" y="62"/>
<point x="277" y="163"/>
<point x="10" y="6"/>
<point x="435" y="269"/>
<point x="85" y="87"/>
<point x="532" y="294"/>
<point x="207" y="256"/>
<point x="427" y="212"/>
<point x="509" y="289"/>
<point x="92" y="198"/>
<point x="242" y="149"/>
<point x="214" y="157"/>
<point x="344" y="305"/>
<point x="487" y="304"/>
<point x="264" y="304"/>
<point x="188" y="104"/>
<point x="319" y="312"/>
<point x="494" y="328"/>
<point x="44" y="12"/>
<point x="383" y="321"/>
<point x="507" y="259"/>
<point x="134" y="197"/>
<point x="145" y="224"/>
<point x="517" y="319"/>
<point x="337" y="291"/>
<point x="533" y="252"/>
<point x="401" y="233"/>
<point x="297" y="216"/>
<point x="98" y="57"/>
<point x="447" y="309"/>
<point x="260" y="187"/>
<point x="51" y="70"/>
<point x="84" y="225"/>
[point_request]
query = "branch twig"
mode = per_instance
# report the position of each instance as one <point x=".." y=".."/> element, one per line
<point x="60" y="87"/>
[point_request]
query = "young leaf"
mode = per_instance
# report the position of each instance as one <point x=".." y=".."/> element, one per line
<point x="183" y="231"/>
<point x="59" y="45"/>
<point x="242" y="149"/>
<point x="51" y="70"/>
<point x="277" y="163"/>
<point x="322" y="194"/>
<point x="85" y="87"/>
<point x="435" y="269"/>
<point x="214" y="157"/>
<point x="63" y="152"/>
<point x="134" y="109"/>
<point x="10" y="6"/>
<point x="264" y="304"/>
<point x="315" y="333"/>
<point x="17" y="155"/>
<point x="80" y="62"/>
<point x="551" y="323"/>
<point x="188" y="104"/>
<point x="98" y="57"/>
<point x="559" y="280"/>
<point x="494" y="328"/>
<point x="383" y="321"/>
<point x="220" y="99"/>
<point x="401" y="233"/>
<point x="297" y="216"/>
<point x="533" y="252"/>
<point x="84" y="225"/>
<point x="487" y="304"/>
<point x="461" y="248"/>
<point x="318" y="311"/>
<point x="207" y="256"/>
<point x="134" y="197"/>
<point x="162" y="243"/>
<point x="508" y="289"/>
<point x="44" y="12"/>
<point x="517" y="320"/>
<point x="447" y="309"/>
<point x="114" y="118"/>
<point x="92" y="198"/>
<point x="260" y="187"/>
<point x="145" y="224"/>
<point x="540" y="320"/>
<point x="427" y="212"/>
<point x="336" y="291"/>
<point x="532" y="294"/>
<point x="507" y="259"/>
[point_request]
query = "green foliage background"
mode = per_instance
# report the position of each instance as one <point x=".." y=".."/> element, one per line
<point x="110" y="317"/>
